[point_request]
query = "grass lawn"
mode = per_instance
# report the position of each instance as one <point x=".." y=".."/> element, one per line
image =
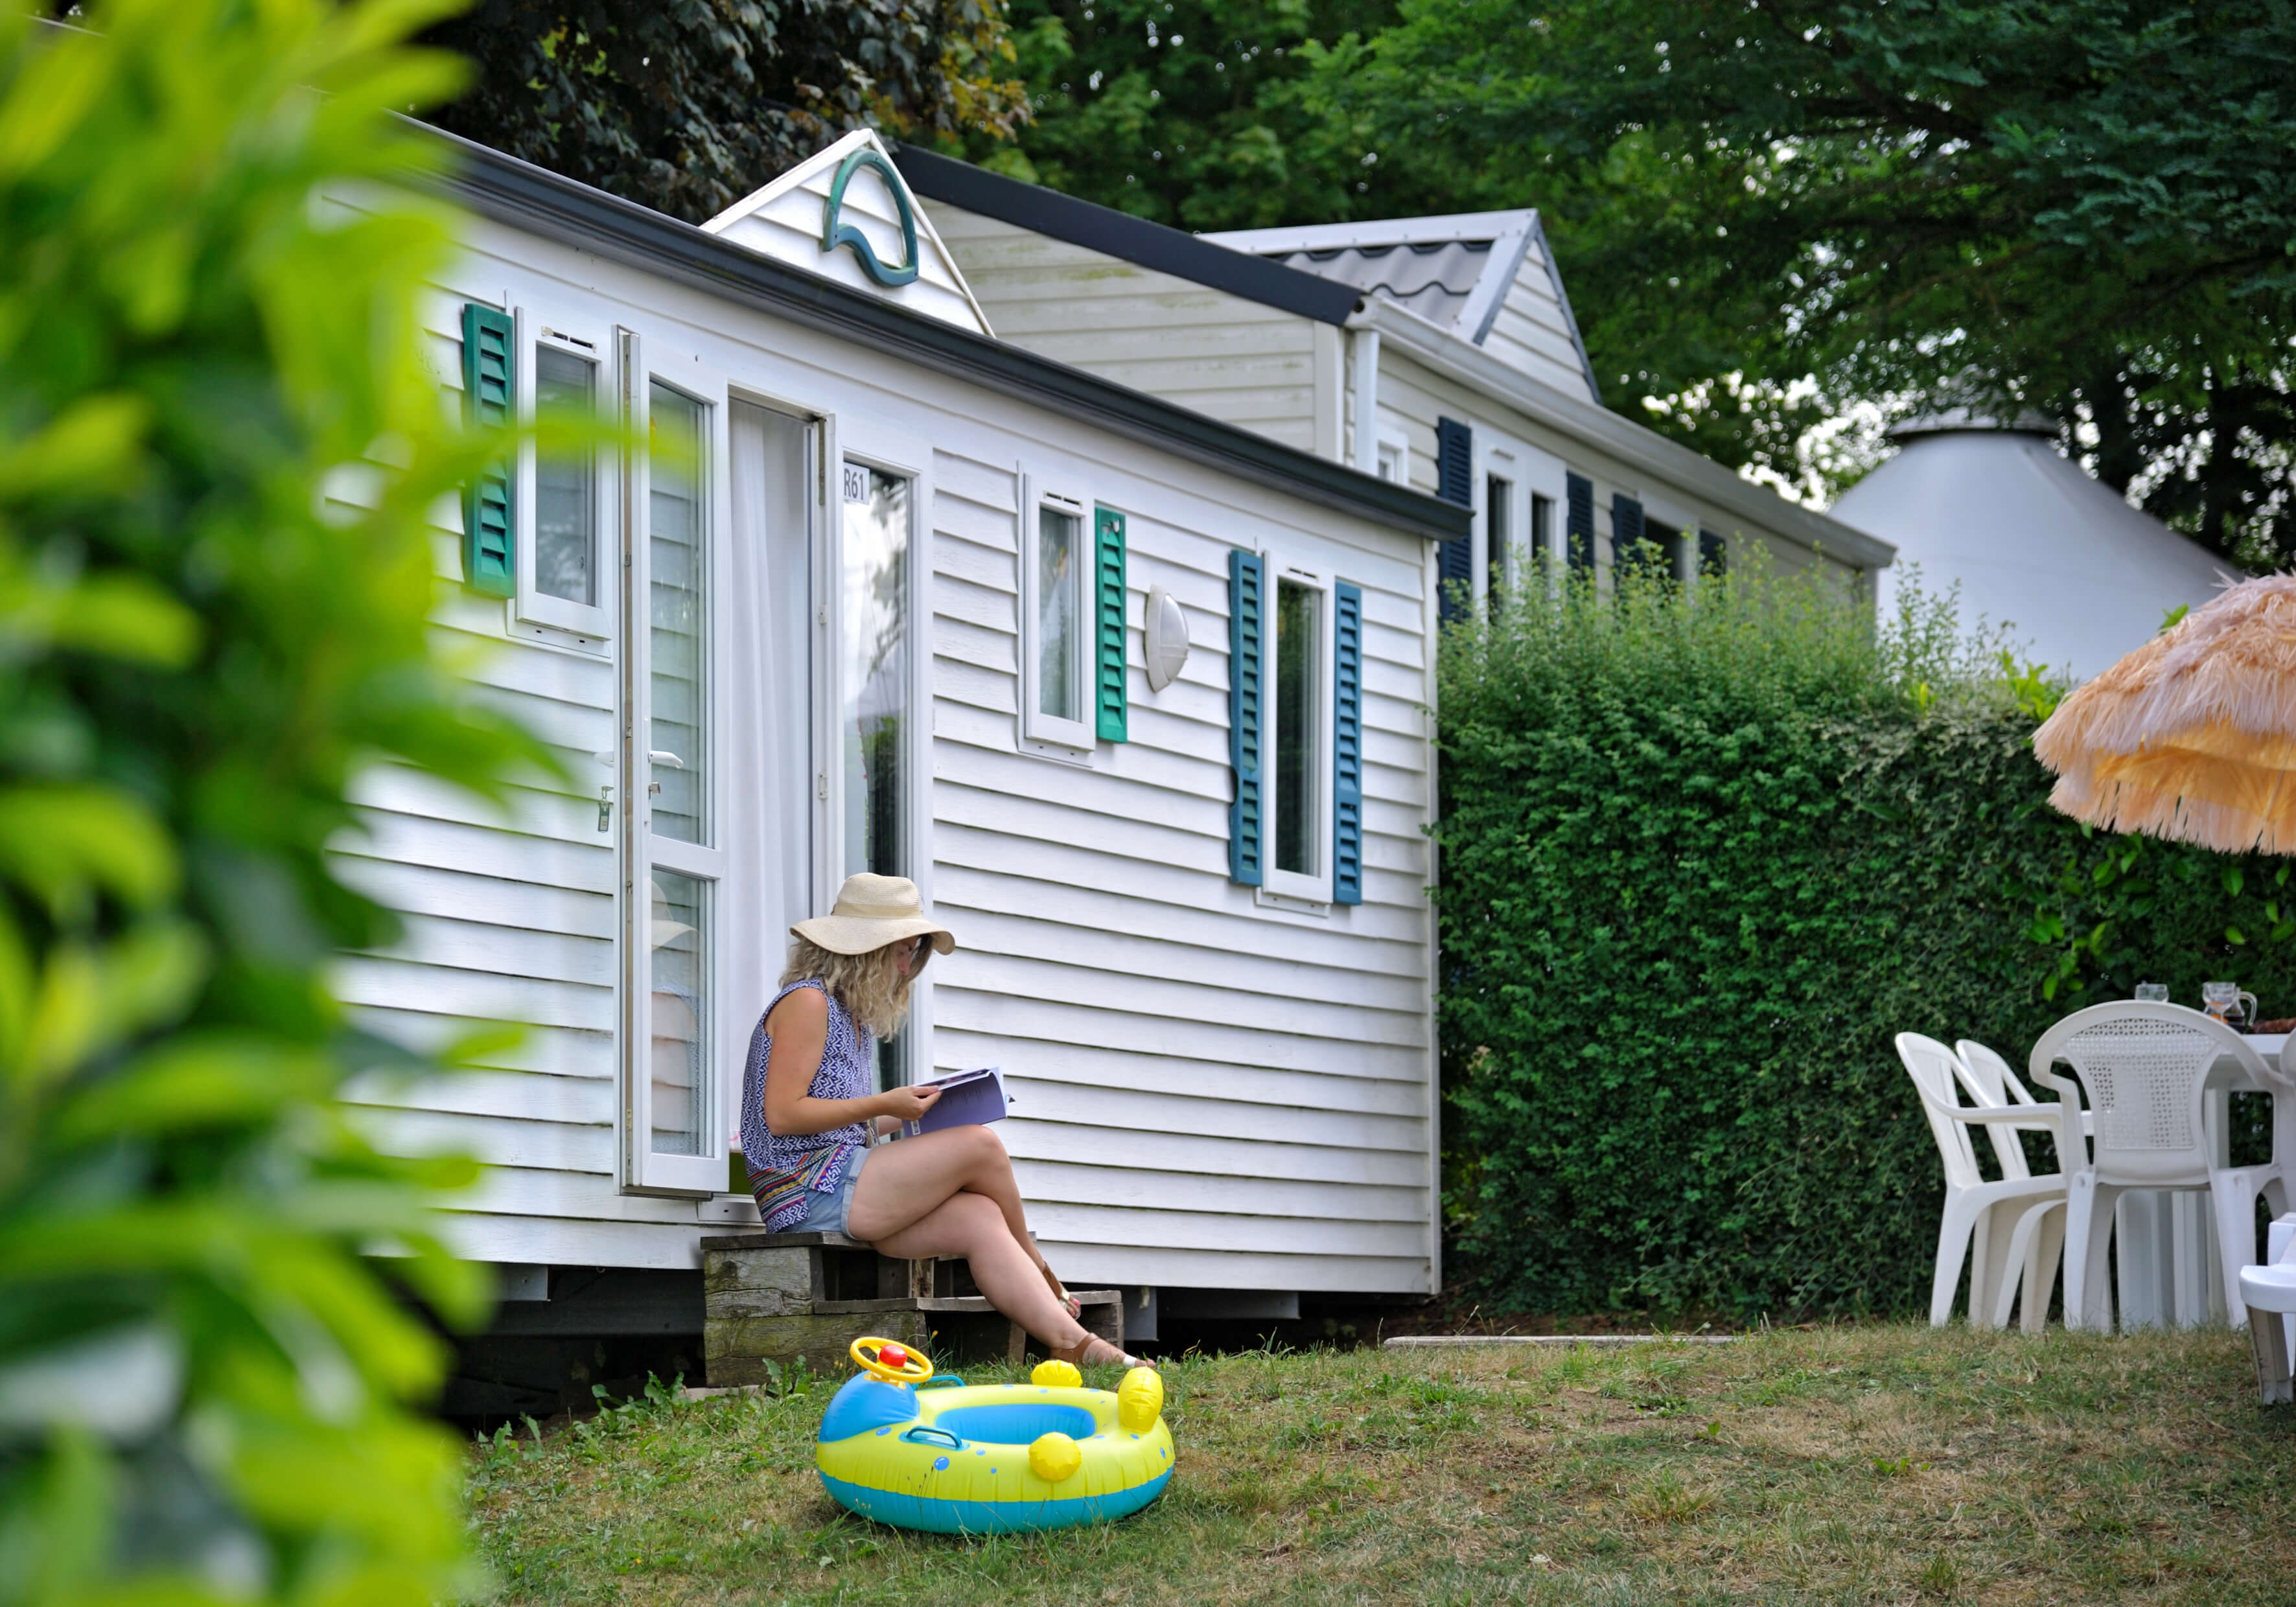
<point x="1882" y="1463"/>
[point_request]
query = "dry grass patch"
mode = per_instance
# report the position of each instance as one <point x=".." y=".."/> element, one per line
<point x="1881" y="1465"/>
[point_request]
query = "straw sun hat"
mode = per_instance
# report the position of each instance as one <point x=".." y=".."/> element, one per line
<point x="871" y="912"/>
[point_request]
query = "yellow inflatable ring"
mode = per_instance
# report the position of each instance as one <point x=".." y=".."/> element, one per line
<point x="993" y="1458"/>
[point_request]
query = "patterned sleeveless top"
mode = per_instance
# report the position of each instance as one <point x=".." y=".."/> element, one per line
<point x="783" y="1168"/>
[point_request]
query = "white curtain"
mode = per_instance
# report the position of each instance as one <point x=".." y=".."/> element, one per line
<point x="769" y="703"/>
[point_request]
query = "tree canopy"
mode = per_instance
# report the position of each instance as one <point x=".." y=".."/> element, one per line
<point x="1768" y="211"/>
<point x="689" y="106"/>
<point x="2085" y="205"/>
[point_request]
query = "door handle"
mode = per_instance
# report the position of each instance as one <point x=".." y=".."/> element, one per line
<point x="657" y="756"/>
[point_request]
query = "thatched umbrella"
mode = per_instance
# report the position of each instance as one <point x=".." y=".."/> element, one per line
<point x="2193" y="736"/>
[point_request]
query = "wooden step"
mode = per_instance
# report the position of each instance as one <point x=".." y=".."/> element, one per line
<point x="781" y="1297"/>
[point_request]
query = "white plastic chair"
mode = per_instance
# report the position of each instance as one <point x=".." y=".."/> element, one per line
<point x="2270" y="1292"/>
<point x="1996" y="1226"/>
<point x="2143" y="1068"/>
<point x="1996" y="1084"/>
<point x="1991" y="1083"/>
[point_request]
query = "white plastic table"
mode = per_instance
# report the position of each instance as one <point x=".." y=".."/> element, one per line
<point x="2170" y="1273"/>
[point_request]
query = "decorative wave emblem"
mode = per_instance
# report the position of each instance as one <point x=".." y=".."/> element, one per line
<point x="836" y="232"/>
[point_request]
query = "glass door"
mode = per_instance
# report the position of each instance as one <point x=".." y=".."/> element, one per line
<point x="674" y="858"/>
<point x="875" y="741"/>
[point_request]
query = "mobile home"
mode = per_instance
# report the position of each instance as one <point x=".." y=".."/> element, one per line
<point x="1438" y="352"/>
<point x="1139" y="697"/>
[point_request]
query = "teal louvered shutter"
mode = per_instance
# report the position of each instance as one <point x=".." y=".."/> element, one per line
<point x="1108" y="696"/>
<point x="1347" y="747"/>
<point x="489" y="519"/>
<point x="1578" y="520"/>
<point x="1454" y="482"/>
<point x="1246" y="626"/>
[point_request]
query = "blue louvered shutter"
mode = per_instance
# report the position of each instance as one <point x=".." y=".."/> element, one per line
<point x="1347" y="747"/>
<point x="1246" y="634"/>
<point x="1578" y="520"/>
<point x="1108" y="696"/>
<point x="1455" y="481"/>
<point x="1713" y="553"/>
<point x="1625" y="531"/>
<point x="489" y="516"/>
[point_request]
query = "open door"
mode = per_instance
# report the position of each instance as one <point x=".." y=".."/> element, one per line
<point x="672" y="773"/>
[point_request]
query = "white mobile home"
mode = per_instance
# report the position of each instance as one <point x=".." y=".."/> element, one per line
<point x="882" y="591"/>
<point x="1438" y="352"/>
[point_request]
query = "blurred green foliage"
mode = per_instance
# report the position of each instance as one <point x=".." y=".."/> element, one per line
<point x="218" y="452"/>
<point x="1703" y="856"/>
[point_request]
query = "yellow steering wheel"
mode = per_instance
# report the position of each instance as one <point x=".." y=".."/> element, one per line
<point x="890" y="1360"/>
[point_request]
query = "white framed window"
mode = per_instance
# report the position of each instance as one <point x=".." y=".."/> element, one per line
<point x="1296" y="733"/>
<point x="564" y="581"/>
<point x="1499" y="555"/>
<point x="1538" y="492"/>
<point x="675" y="520"/>
<point x="1057" y="559"/>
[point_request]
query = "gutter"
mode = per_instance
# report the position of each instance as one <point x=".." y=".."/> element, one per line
<point x="523" y="196"/>
<point x="1652" y="455"/>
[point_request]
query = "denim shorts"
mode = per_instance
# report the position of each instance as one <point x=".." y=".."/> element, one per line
<point x="827" y="1212"/>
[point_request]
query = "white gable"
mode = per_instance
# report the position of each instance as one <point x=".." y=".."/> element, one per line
<point x="787" y="220"/>
<point x="1487" y="278"/>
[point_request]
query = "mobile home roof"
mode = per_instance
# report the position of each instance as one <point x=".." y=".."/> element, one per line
<point x="524" y="196"/>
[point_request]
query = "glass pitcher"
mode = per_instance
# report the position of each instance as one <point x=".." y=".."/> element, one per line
<point x="2225" y="1002"/>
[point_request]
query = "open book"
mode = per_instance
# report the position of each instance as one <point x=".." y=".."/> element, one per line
<point x="972" y="1097"/>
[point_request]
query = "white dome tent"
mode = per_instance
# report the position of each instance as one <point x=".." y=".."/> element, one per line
<point x="2078" y="575"/>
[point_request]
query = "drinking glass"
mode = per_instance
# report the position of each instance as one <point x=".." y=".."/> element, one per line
<point x="2151" y="993"/>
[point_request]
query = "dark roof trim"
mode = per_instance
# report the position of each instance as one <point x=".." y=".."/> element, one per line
<point x="1506" y="270"/>
<point x="525" y="196"/>
<point x="1120" y="234"/>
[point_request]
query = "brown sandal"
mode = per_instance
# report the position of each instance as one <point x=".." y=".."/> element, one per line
<point x="1074" y="1355"/>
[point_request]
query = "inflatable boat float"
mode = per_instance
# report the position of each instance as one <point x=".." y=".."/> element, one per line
<point x="902" y="1446"/>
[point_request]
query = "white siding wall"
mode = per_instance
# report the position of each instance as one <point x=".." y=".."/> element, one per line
<point x="1211" y="1093"/>
<point x="1226" y="357"/>
<point x="510" y="917"/>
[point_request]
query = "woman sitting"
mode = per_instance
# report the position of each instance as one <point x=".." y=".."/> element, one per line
<point x="809" y="1117"/>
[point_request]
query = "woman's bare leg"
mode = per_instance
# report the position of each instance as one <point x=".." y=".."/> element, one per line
<point x="972" y="1226"/>
<point x="900" y="1182"/>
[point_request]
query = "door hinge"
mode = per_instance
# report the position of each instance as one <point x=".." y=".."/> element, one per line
<point x="821" y="783"/>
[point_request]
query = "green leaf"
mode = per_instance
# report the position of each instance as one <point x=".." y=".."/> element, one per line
<point x="67" y="843"/>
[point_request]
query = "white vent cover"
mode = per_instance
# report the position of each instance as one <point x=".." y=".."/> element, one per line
<point x="1168" y="639"/>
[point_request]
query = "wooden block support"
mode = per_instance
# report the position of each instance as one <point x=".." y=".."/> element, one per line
<point x="2267" y="1336"/>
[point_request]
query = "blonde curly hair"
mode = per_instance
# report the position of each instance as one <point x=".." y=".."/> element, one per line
<point x="871" y="986"/>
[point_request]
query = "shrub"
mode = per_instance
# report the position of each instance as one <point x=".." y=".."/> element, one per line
<point x="204" y="1389"/>
<point x="1701" y="858"/>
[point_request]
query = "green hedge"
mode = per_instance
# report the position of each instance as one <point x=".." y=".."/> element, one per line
<point x="1701" y="858"/>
